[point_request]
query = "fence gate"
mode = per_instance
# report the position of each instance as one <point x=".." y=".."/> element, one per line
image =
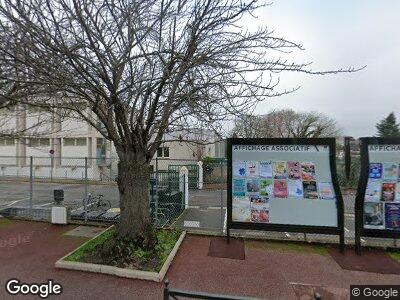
<point x="193" y="173"/>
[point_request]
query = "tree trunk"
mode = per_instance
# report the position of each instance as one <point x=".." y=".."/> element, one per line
<point x="133" y="185"/>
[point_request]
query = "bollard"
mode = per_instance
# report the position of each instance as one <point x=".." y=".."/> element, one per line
<point x="166" y="289"/>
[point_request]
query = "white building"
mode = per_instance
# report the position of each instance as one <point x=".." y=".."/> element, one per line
<point x="59" y="147"/>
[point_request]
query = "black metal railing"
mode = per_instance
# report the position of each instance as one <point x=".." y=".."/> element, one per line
<point x="174" y="293"/>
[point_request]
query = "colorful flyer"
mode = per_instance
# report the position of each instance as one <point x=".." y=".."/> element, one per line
<point x="294" y="170"/>
<point x="392" y="216"/>
<point x="398" y="173"/>
<point x="374" y="215"/>
<point x="390" y="171"/>
<point x="266" y="187"/>
<point x="375" y="171"/>
<point x="265" y="169"/>
<point x="325" y="191"/>
<point x="253" y="186"/>
<point x="388" y="191"/>
<point x="258" y="202"/>
<point x="239" y="187"/>
<point x="252" y="169"/>
<point x="280" y="188"/>
<point x="259" y="215"/>
<point x="308" y="171"/>
<point x="295" y="188"/>
<point x="241" y="211"/>
<point x="239" y="168"/>
<point x="373" y="191"/>
<point x="279" y="170"/>
<point x="397" y="196"/>
<point x="310" y="190"/>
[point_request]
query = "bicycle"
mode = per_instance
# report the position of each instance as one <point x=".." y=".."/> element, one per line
<point x="96" y="203"/>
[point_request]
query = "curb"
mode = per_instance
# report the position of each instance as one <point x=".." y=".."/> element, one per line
<point x="120" y="272"/>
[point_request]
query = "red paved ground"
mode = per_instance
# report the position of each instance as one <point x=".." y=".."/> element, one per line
<point x="264" y="273"/>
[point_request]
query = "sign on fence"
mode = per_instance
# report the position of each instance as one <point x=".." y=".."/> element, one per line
<point x="284" y="185"/>
<point x="378" y="195"/>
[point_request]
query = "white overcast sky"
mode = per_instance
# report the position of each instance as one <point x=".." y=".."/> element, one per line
<point x="336" y="34"/>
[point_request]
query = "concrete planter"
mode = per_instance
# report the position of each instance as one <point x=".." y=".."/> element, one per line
<point x="121" y="272"/>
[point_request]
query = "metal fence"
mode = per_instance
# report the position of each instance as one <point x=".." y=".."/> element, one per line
<point x="196" y="203"/>
<point x="27" y="185"/>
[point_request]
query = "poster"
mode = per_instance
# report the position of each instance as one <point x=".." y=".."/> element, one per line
<point x="397" y="196"/>
<point x="266" y="187"/>
<point x="388" y="191"/>
<point x="392" y="216"/>
<point x="239" y="168"/>
<point x="252" y="168"/>
<point x="259" y="201"/>
<point x="260" y="215"/>
<point x="310" y="189"/>
<point x="253" y="185"/>
<point x="280" y="188"/>
<point x="373" y="191"/>
<point x="265" y="169"/>
<point x="241" y="211"/>
<point x="374" y="215"/>
<point x="325" y="191"/>
<point x="375" y="170"/>
<point x="390" y="171"/>
<point x="308" y="171"/>
<point x="279" y="170"/>
<point x="295" y="188"/>
<point x="294" y="170"/>
<point x="239" y="187"/>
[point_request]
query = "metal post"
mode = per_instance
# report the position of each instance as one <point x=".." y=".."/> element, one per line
<point x="347" y="156"/>
<point x="86" y="187"/>
<point x="51" y="167"/>
<point x="156" y="195"/>
<point x="31" y="187"/>
<point x="86" y="176"/>
<point x="222" y="200"/>
<point x="166" y="289"/>
<point x="156" y="175"/>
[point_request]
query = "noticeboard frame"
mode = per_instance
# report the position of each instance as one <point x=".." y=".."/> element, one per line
<point x="331" y="143"/>
<point x="360" y="231"/>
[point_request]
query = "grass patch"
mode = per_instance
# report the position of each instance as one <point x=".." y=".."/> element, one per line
<point x="107" y="249"/>
<point x="288" y="247"/>
<point x="5" y="222"/>
<point x="394" y="255"/>
<point x="80" y="254"/>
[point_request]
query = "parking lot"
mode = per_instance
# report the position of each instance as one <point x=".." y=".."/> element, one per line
<point x="17" y="194"/>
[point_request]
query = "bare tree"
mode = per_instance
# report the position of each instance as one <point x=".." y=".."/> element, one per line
<point x="144" y="68"/>
<point x="286" y="123"/>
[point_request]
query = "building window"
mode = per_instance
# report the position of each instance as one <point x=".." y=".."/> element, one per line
<point x="74" y="141"/>
<point x="80" y="141"/>
<point x="39" y="142"/>
<point x="163" y="152"/>
<point x="6" y="141"/>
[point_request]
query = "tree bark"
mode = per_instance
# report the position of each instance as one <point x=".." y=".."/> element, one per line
<point x="133" y="184"/>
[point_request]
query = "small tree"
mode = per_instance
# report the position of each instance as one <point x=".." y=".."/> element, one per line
<point x="388" y="127"/>
<point x="144" y="68"/>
